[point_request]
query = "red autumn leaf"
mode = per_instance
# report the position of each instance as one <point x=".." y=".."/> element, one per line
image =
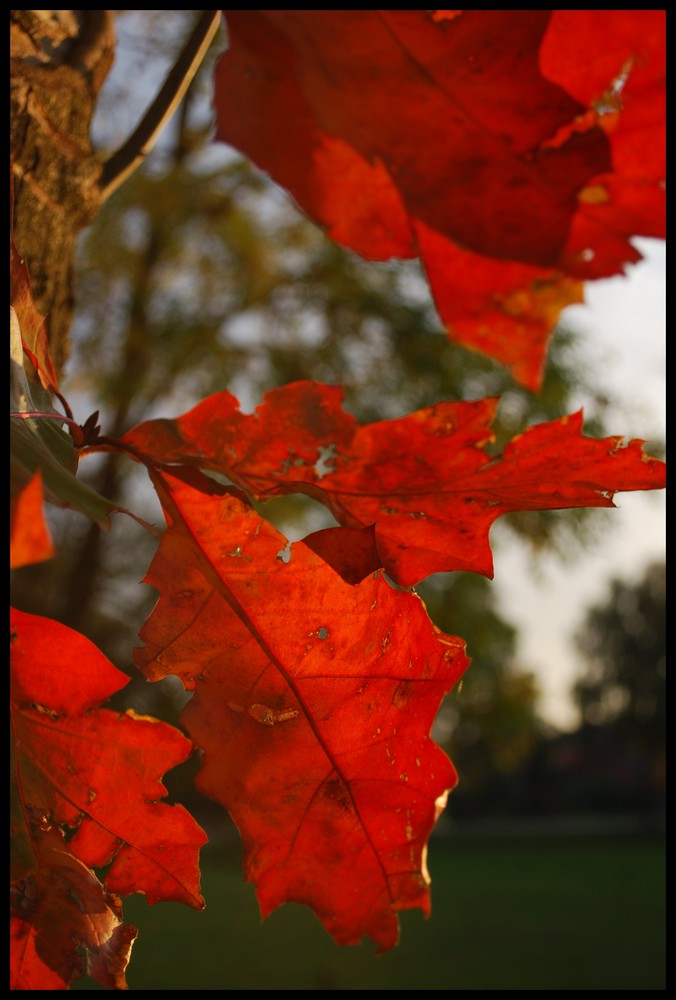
<point x="424" y="481"/>
<point x="465" y="140"/>
<point x="623" y="80"/>
<point x="313" y="705"/>
<point x="93" y="776"/>
<point x="58" y="908"/>
<point x="29" y="537"/>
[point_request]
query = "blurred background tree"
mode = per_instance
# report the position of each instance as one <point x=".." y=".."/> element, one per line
<point x="622" y="692"/>
<point x="615" y="761"/>
<point x="200" y="275"/>
<point x="623" y="642"/>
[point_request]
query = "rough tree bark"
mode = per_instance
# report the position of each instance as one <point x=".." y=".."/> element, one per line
<point x="58" y="62"/>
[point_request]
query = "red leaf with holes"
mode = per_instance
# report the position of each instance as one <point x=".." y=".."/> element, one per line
<point x="58" y="908"/>
<point x="506" y="149"/>
<point x="87" y="794"/>
<point x="313" y="704"/>
<point x="422" y="488"/>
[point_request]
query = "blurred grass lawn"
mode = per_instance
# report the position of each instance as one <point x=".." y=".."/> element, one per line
<point x="520" y="914"/>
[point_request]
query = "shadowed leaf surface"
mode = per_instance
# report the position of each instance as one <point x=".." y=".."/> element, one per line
<point x="58" y="909"/>
<point x="39" y="444"/>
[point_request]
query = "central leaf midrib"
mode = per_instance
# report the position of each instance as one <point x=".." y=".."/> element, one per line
<point x="226" y="591"/>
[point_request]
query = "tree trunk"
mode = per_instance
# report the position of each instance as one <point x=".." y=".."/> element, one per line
<point x="59" y="60"/>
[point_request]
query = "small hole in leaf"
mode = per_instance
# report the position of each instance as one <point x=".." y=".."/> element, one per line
<point x="284" y="555"/>
<point x="324" y="463"/>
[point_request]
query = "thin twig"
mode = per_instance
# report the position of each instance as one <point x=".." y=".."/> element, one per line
<point x="44" y="415"/>
<point x="132" y="154"/>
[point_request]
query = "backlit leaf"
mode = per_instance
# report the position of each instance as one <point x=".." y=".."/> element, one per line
<point x="423" y="487"/>
<point x="313" y="701"/>
<point x="504" y="148"/>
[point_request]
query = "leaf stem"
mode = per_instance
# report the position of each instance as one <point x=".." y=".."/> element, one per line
<point x="44" y="415"/>
<point x="134" y="151"/>
<point x="108" y="444"/>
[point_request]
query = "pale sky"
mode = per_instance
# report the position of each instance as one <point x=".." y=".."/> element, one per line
<point x="624" y="323"/>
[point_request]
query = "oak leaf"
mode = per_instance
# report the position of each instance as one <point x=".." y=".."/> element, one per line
<point x="420" y="493"/>
<point x="464" y="138"/>
<point x="313" y="701"/>
<point x="87" y="795"/>
<point x="58" y="907"/>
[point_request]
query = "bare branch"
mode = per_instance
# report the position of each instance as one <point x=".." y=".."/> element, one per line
<point x="132" y="154"/>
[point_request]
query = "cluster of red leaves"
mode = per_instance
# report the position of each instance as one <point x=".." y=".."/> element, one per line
<point x="513" y="152"/>
<point x="85" y="796"/>
<point x="85" y="781"/>
<point x="515" y="160"/>
<point x="315" y="690"/>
